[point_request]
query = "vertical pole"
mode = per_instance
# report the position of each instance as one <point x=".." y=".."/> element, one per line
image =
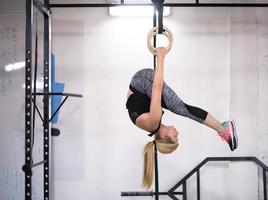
<point x="156" y="173"/>
<point x="264" y="185"/>
<point x="198" y="184"/>
<point x="28" y="97"/>
<point x="155" y="148"/>
<point x="184" y="188"/>
<point x="154" y="24"/>
<point x="46" y="101"/>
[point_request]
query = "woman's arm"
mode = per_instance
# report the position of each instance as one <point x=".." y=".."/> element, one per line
<point x="155" y="107"/>
<point x="150" y="121"/>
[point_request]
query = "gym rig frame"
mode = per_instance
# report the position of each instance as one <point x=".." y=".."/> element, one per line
<point x="30" y="93"/>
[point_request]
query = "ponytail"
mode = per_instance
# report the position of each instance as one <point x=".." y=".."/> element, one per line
<point x="148" y="165"/>
<point x="165" y="147"/>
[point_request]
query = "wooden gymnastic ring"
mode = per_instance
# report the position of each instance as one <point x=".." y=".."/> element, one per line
<point x="153" y="32"/>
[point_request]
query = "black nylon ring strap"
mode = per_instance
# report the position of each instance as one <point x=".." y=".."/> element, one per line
<point x="159" y="6"/>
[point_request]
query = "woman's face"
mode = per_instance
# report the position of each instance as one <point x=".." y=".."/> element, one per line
<point x="172" y="134"/>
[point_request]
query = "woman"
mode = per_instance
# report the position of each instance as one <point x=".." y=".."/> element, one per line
<point x="147" y="95"/>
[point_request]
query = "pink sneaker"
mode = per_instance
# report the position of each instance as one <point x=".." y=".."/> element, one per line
<point x="230" y="134"/>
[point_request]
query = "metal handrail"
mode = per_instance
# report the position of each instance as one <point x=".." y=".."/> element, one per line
<point x="183" y="181"/>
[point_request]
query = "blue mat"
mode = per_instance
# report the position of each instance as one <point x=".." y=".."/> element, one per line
<point x="55" y="87"/>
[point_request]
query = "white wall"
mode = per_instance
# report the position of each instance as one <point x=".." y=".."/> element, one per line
<point x="218" y="62"/>
<point x="12" y="117"/>
<point x="262" y="33"/>
<point x="12" y="107"/>
<point x="214" y="64"/>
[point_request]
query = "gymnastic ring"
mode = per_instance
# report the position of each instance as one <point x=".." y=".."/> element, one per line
<point x="153" y="32"/>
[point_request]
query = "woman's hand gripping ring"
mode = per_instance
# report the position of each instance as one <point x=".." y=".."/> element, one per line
<point x="153" y="32"/>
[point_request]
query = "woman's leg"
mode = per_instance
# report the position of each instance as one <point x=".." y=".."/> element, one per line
<point x="176" y="105"/>
<point x="213" y="123"/>
<point x="142" y="82"/>
<point x="225" y="130"/>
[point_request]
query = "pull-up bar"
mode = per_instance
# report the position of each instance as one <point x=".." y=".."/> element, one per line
<point x="194" y="4"/>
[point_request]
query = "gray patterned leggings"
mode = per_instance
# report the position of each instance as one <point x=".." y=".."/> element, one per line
<point x="142" y="81"/>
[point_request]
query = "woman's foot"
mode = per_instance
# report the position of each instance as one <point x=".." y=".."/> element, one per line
<point x="230" y="134"/>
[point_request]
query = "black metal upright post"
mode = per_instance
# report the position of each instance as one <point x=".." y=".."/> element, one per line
<point x="198" y="183"/>
<point x="156" y="174"/>
<point x="184" y="190"/>
<point x="154" y="25"/>
<point x="264" y="184"/>
<point x="28" y="97"/>
<point x="29" y="102"/>
<point x="46" y="100"/>
<point x="155" y="148"/>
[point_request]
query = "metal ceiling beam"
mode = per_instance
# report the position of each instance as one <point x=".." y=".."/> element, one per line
<point x="197" y="4"/>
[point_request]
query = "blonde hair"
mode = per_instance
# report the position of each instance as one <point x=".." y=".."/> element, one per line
<point x="163" y="146"/>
